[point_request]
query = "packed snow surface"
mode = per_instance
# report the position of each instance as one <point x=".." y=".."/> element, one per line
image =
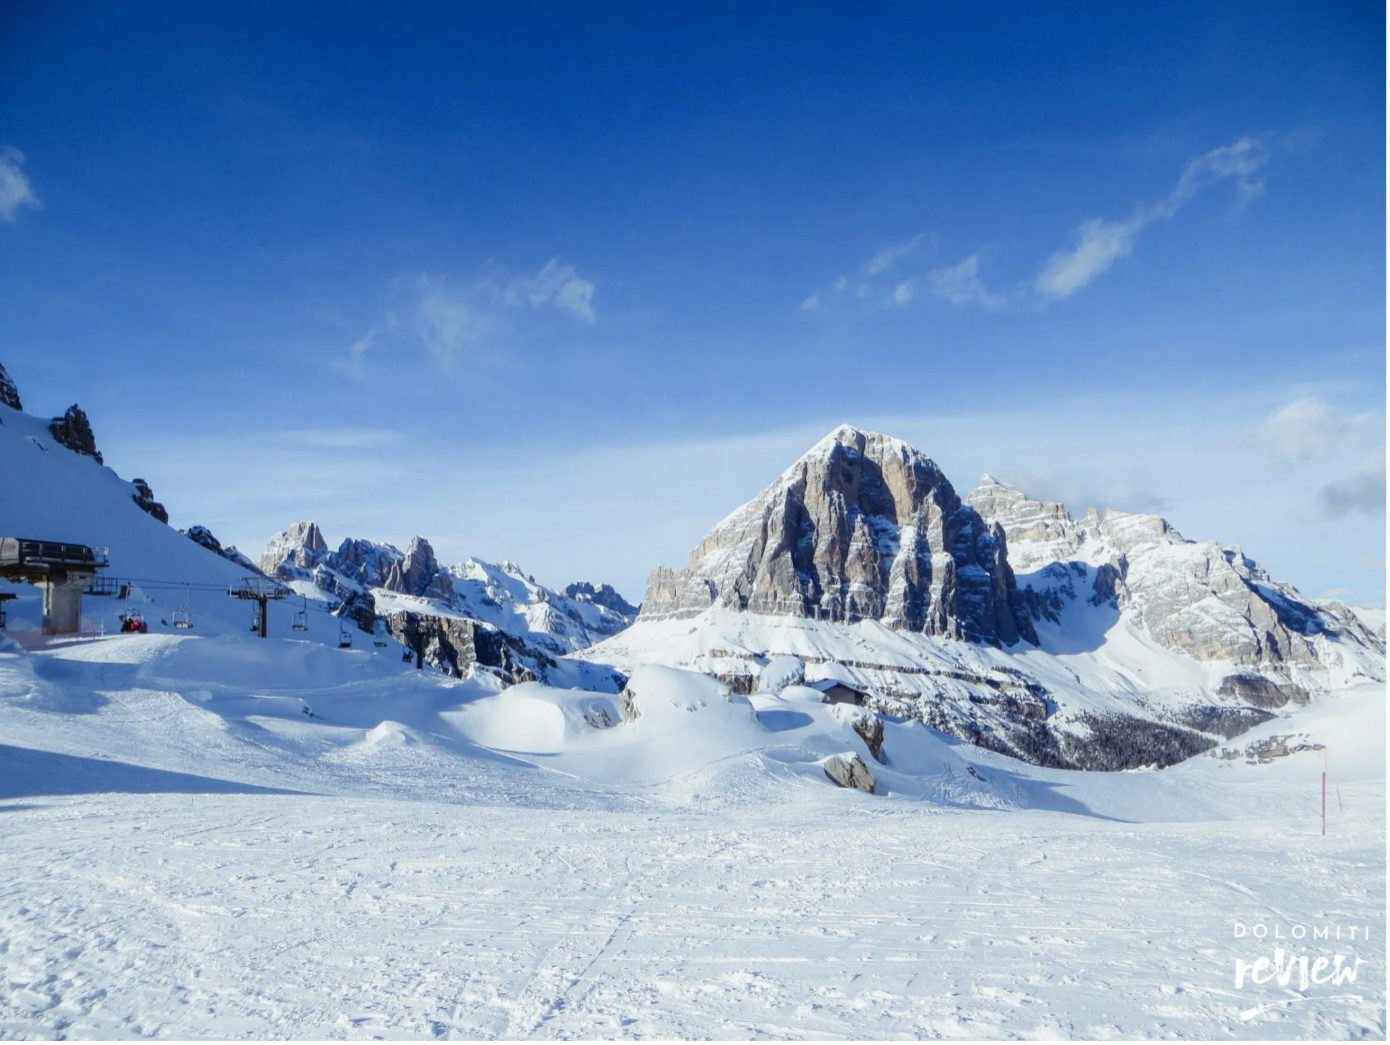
<point x="232" y="837"/>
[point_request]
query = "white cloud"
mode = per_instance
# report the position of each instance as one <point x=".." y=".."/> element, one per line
<point x="1239" y="161"/>
<point x="15" y="188"/>
<point x="447" y="321"/>
<point x="961" y="284"/>
<point x="357" y="355"/>
<point x="558" y="285"/>
<point x="1308" y="429"/>
<point x="827" y="296"/>
<point x="904" y="291"/>
<point x="890" y="256"/>
<point x="1099" y="244"/>
<point x="452" y="319"/>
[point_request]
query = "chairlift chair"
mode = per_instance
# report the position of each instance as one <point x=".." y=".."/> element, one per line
<point x="379" y="637"/>
<point x="183" y="616"/>
<point x="344" y="637"/>
<point x="301" y="616"/>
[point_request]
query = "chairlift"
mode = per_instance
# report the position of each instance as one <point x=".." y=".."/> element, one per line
<point x="344" y="637"/>
<point x="379" y="637"/>
<point x="301" y="616"/>
<point x="183" y="616"/>
<point x="133" y="622"/>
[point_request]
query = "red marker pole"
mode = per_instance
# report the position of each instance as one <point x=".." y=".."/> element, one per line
<point x="1324" y="791"/>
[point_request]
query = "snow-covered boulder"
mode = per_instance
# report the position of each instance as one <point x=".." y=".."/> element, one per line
<point x="865" y="723"/>
<point x="781" y="672"/>
<point x="848" y="770"/>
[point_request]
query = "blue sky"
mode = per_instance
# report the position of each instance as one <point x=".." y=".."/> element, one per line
<point x="567" y="283"/>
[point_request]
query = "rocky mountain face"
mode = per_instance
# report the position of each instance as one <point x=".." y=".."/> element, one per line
<point x="493" y="615"/>
<point x="1211" y="602"/>
<point x="74" y="431"/>
<point x="144" y="498"/>
<point x="862" y="527"/>
<point x="9" y="394"/>
<point x="203" y="536"/>
<point x="1106" y="642"/>
<point x="604" y="595"/>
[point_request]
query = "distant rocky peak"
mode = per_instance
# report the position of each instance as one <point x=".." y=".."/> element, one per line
<point x="9" y="394"/>
<point x="604" y="595"/>
<point x="860" y="527"/>
<point x="301" y="546"/>
<point x="419" y="573"/>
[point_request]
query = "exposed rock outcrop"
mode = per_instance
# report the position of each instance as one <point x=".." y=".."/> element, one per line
<point x="849" y="770"/>
<point x="1260" y="692"/>
<point x="456" y="645"/>
<point x="144" y="499"/>
<point x="9" y="394"/>
<point x="74" y="431"/>
<point x="863" y="527"/>
<point x="604" y="595"/>
<point x="360" y="608"/>
<point x="202" y="535"/>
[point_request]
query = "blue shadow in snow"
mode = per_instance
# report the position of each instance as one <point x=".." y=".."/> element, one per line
<point x="27" y="773"/>
<point x="780" y="721"/>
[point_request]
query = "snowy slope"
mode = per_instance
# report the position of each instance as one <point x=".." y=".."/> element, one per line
<point x="52" y="493"/>
<point x="189" y="853"/>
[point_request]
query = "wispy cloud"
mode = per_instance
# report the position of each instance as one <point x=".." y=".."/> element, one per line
<point x="1308" y="430"/>
<point x="15" y="188"/>
<point x="454" y="319"/>
<point x="1098" y="244"/>
<point x="555" y="284"/>
<point x="356" y="361"/>
<point x="447" y="320"/>
<point x="1311" y="438"/>
<point x="826" y="296"/>
<point x="888" y="292"/>
<point x="890" y="256"/>
<point x="961" y="285"/>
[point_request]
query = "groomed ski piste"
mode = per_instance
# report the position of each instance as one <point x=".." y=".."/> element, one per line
<point x="208" y="834"/>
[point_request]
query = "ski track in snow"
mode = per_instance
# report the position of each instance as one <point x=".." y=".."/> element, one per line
<point x="172" y="915"/>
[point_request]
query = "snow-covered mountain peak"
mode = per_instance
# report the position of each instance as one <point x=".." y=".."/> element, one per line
<point x="1213" y="603"/>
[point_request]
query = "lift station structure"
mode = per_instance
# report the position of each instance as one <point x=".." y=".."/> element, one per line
<point x="63" y="570"/>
